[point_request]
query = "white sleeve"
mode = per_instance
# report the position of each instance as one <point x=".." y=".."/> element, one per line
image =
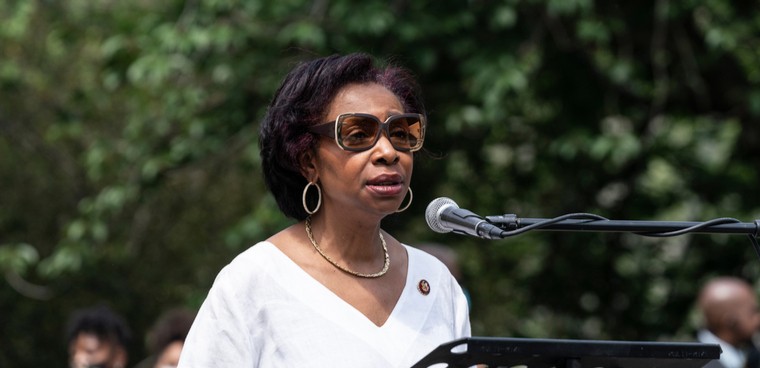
<point x="219" y="336"/>
<point x="462" y="310"/>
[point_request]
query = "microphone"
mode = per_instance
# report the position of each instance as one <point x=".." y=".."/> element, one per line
<point x="444" y="216"/>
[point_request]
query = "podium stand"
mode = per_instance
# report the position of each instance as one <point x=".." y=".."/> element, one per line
<point x="557" y="353"/>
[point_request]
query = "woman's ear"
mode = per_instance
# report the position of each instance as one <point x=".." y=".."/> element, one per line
<point x="308" y="163"/>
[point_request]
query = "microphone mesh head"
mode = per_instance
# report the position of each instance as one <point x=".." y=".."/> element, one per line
<point x="432" y="214"/>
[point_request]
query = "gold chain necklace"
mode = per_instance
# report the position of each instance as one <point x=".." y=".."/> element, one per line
<point x="386" y="264"/>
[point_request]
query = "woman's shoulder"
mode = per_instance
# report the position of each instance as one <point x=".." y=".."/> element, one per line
<point x="421" y="260"/>
<point x="273" y="247"/>
<point x="261" y="253"/>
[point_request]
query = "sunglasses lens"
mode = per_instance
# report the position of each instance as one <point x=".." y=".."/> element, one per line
<point x="405" y="132"/>
<point x="360" y="132"/>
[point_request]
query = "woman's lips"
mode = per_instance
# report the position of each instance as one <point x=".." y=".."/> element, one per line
<point x="386" y="185"/>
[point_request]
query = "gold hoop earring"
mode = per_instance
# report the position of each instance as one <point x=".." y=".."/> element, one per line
<point x="319" y="198"/>
<point x="411" y="196"/>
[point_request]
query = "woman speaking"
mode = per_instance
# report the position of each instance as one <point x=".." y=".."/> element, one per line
<point x="333" y="289"/>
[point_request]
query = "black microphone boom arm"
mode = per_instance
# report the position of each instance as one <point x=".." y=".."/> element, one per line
<point x="591" y="222"/>
<point x="513" y="225"/>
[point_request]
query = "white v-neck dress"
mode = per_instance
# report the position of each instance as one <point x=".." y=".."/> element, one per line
<point x="265" y="311"/>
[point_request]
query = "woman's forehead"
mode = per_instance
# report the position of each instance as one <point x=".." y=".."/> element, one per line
<point x="369" y="98"/>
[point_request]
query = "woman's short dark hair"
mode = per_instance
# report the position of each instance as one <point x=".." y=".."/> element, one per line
<point x="302" y="101"/>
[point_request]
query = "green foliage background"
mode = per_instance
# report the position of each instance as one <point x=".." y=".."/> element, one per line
<point x="129" y="167"/>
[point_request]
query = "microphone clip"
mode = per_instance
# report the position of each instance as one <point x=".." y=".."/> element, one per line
<point x="506" y="222"/>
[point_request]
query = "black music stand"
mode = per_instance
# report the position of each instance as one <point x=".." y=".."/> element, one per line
<point x="557" y="353"/>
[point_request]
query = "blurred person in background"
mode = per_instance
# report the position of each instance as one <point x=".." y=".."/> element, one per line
<point x="167" y="337"/>
<point x="731" y="317"/>
<point x="97" y="337"/>
<point x="333" y="289"/>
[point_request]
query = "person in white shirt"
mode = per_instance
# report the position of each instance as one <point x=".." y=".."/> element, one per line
<point x="333" y="289"/>
<point x="731" y="317"/>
